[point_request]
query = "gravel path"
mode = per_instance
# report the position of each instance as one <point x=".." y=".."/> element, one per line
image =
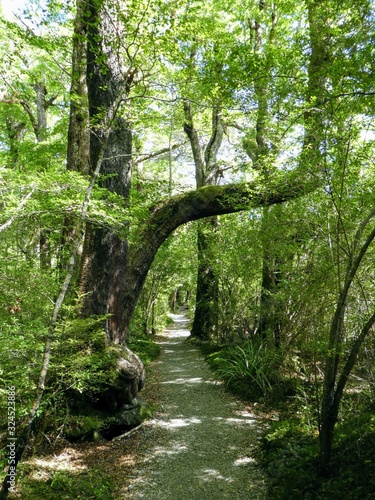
<point x="202" y="437"/>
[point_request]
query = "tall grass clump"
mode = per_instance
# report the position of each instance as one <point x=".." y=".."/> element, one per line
<point x="248" y="368"/>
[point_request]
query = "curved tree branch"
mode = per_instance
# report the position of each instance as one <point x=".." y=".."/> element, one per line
<point x="225" y="199"/>
<point x="207" y="201"/>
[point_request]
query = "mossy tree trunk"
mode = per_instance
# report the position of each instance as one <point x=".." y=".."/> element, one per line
<point x="100" y="81"/>
<point x="207" y="173"/>
<point x="206" y="314"/>
<point x="270" y="322"/>
<point x="259" y="148"/>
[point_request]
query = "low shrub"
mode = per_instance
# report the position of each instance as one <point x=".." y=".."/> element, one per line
<point x="146" y="349"/>
<point x="289" y="452"/>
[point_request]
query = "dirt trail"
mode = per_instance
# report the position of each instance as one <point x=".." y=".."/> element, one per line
<point x="202" y="438"/>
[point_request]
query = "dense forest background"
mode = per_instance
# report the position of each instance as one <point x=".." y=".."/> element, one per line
<point x="213" y="155"/>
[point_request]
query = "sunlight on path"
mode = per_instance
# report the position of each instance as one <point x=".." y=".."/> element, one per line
<point x="203" y="437"/>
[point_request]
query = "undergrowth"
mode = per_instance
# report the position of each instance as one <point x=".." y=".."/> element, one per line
<point x="289" y="453"/>
<point x="66" y="485"/>
<point x="248" y="369"/>
<point x="289" y="449"/>
<point x="145" y="348"/>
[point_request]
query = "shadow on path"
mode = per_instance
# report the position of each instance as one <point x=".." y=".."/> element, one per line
<point x="203" y="437"/>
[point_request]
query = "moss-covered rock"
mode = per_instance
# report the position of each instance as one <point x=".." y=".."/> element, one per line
<point x="128" y="378"/>
<point x="126" y="418"/>
<point x="97" y="424"/>
<point x="111" y="408"/>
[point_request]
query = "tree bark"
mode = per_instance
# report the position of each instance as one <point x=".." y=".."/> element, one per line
<point x="78" y="154"/>
<point x="16" y="132"/>
<point x="206" y="315"/>
<point x="102" y="278"/>
<point x="269" y="320"/>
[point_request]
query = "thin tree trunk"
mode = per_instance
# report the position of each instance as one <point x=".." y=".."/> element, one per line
<point x="39" y="124"/>
<point x="333" y="390"/>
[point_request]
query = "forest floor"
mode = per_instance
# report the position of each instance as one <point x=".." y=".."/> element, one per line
<point x="199" y="444"/>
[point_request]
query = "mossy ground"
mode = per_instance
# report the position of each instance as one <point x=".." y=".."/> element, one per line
<point x="66" y="485"/>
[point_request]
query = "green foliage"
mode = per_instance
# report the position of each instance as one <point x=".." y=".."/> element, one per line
<point x="81" y="426"/>
<point x="81" y="366"/>
<point x="249" y="367"/>
<point x="238" y="265"/>
<point x="353" y="465"/>
<point x="66" y="485"/>
<point x="82" y="360"/>
<point x="254" y="61"/>
<point x="146" y="349"/>
<point x="25" y="302"/>
<point x="172" y="273"/>
<point x="289" y="453"/>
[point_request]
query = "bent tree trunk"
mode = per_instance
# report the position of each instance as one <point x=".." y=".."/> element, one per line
<point x="207" y="201"/>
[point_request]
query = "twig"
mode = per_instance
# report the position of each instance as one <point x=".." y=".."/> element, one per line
<point x="129" y="433"/>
